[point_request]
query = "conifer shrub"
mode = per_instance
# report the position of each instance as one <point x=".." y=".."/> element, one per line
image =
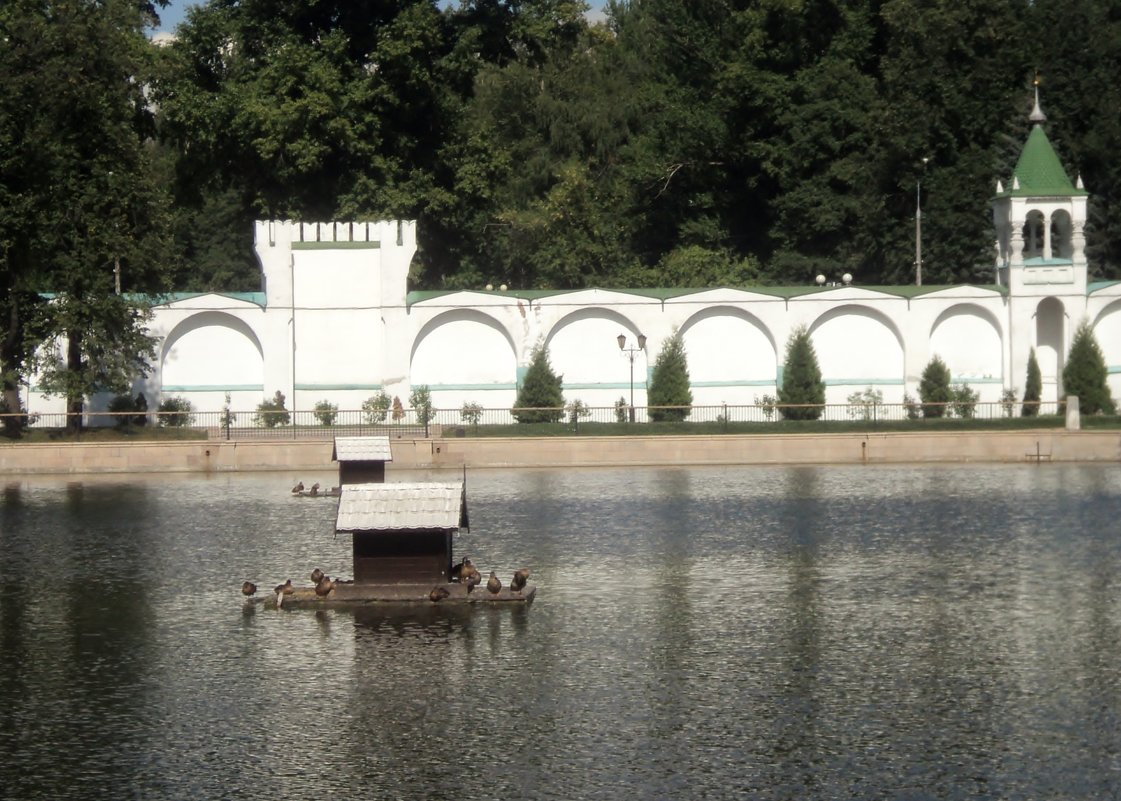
<point x="669" y="397"/>
<point x="1033" y="387"/>
<point x="934" y="388"/>
<point x="1085" y="373"/>
<point x="802" y="393"/>
<point x="540" y="398"/>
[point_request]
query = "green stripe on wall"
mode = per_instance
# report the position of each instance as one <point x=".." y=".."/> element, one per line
<point x="336" y="245"/>
<point x="309" y="387"/>
<point x="213" y="388"/>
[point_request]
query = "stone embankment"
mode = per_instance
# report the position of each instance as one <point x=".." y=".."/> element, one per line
<point x="1043" y="445"/>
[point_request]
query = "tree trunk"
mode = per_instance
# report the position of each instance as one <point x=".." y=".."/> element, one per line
<point x="75" y="403"/>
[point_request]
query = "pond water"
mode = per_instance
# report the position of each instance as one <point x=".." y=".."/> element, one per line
<point x="758" y="632"/>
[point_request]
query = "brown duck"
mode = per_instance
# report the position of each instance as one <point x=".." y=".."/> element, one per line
<point x="438" y="594"/>
<point x="517" y="583"/>
<point x="494" y="585"/>
<point x="281" y="590"/>
<point x="316" y="576"/>
<point x="248" y="588"/>
<point x="324" y="586"/>
<point x="296" y="490"/>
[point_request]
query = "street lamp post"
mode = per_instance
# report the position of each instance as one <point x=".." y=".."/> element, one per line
<point x="918" y="226"/>
<point x="631" y="351"/>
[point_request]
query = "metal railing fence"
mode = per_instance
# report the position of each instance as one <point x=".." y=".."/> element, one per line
<point x="473" y="419"/>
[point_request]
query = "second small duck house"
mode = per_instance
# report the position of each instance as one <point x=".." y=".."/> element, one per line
<point x="402" y="532"/>
<point x="361" y="460"/>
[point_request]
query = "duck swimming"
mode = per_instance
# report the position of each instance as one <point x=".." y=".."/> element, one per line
<point x="248" y="588"/>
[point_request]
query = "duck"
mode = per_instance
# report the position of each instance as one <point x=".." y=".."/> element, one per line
<point x="296" y="490"/>
<point x="438" y="594"/>
<point x="248" y="588"/>
<point x="316" y="576"/>
<point x="473" y="580"/>
<point x="517" y="583"/>
<point x="281" y="590"/>
<point x="468" y="570"/>
<point x="494" y="585"/>
<point x="314" y="488"/>
<point x="324" y="586"/>
<point x="457" y="569"/>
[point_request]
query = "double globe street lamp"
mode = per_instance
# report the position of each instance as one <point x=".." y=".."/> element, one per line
<point x="631" y="351"/>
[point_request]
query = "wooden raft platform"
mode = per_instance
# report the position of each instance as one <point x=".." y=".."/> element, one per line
<point x="346" y="595"/>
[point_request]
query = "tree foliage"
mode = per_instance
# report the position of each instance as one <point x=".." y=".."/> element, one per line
<point x="80" y="203"/>
<point x="935" y="390"/>
<point x="540" y="397"/>
<point x="802" y="393"/>
<point x="1033" y="387"/>
<point x="669" y="397"/>
<point x="1085" y="373"/>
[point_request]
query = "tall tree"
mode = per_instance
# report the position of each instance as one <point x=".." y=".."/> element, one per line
<point x="1033" y="387"/>
<point x="802" y="392"/>
<point x="540" y="397"/>
<point x="84" y="214"/>
<point x="1085" y="373"/>
<point x="669" y="396"/>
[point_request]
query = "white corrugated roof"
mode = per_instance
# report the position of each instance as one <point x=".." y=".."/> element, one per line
<point x="362" y="449"/>
<point x="388" y="507"/>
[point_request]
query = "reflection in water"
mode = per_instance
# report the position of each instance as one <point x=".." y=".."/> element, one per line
<point x="725" y="633"/>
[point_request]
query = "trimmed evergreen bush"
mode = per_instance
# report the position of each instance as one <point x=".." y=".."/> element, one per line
<point x="540" y="398"/>
<point x="669" y="383"/>
<point x="1033" y="387"/>
<point x="1085" y="373"/>
<point x="802" y="386"/>
<point x="934" y="388"/>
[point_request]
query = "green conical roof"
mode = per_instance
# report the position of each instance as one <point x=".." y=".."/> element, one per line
<point x="1039" y="171"/>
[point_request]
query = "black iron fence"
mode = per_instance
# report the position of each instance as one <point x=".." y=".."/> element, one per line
<point x="475" y="420"/>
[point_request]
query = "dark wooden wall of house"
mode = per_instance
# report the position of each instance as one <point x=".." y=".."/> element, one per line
<point x="361" y="472"/>
<point x="396" y="557"/>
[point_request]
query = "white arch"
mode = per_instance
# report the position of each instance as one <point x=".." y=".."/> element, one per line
<point x="189" y="367"/>
<point x="464" y="355"/>
<point x="1107" y="332"/>
<point x="968" y="339"/>
<point x="859" y="347"/>
<point x="583" y="349"/>
<point x="731" y="355"/>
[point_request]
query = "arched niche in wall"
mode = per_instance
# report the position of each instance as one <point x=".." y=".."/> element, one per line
<point x="1033" y="234"/>
<point x="189" y="361"/>
<point x="1062" y="235"/>
<point x="732" y="356"/>
<point x="1107" y="332"/>
<point x="463" y="350"/>
<point x="1050" y="344"/>
<point x="967" y="337"/>
<point x="584" y="349"/>
<point x="858" y="347"/>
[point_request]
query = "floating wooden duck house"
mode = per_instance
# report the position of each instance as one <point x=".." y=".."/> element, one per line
<point x="402" y="532"/>
<point x="361" y="460"/>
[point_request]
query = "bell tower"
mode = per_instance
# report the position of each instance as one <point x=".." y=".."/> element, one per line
<point x="1039" y="220"/>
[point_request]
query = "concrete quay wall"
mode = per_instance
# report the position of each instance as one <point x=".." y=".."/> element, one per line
<point x="1048" y="445"/>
